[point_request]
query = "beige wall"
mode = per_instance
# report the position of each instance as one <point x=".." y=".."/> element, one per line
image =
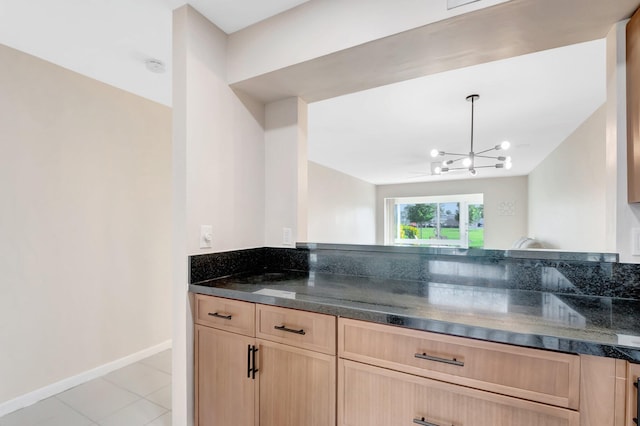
<point x="85" y="177"/>
<point x="505" y="204"/>
<point x="218" y="174"/>
<point x="341" y="207"/>
<point x="224" y="146"/>
<point x="567" y="191"/>
<point x="285" y="177"/>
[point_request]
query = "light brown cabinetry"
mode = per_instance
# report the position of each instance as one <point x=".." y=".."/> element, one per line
<point x="297" y="386"/>
<point x="254" y="365"/>
<point x="373" y="396"/>
<point x="394" y="376"/>
<point x="226" y="314"/>
<point x="633" y="375"/>
<point x="225" y="390"/>
<point x="543" y="376"/>
<point x="306" y="330"/>
<point x="270" y="366"/>
<point x="224" y="342"/>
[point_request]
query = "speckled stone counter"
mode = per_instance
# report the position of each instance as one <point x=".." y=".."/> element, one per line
<point x="584" y="303"/>
<point x="574" y="323"/>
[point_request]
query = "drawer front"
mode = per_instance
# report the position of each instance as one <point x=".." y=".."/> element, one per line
<point x="544" y="376"/>
<point x="307" y="330"/>
<point x="373" y="396"/>
<point x="226" y="314"/>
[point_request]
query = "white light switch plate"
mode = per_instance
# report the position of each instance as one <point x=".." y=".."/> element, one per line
<point x="206" y="236"/>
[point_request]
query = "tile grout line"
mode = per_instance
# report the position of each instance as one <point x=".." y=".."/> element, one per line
<point x="72" y="408"/>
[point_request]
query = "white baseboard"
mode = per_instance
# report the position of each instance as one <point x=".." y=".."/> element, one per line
<point x="61" y="386"/>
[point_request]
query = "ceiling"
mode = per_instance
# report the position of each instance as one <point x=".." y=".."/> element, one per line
<point x="109" y="40"/>
<point x="384" y="135"/>
<point x="381" y="135"/>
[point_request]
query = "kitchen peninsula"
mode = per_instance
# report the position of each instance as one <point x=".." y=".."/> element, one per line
<point x="545" y="337"/>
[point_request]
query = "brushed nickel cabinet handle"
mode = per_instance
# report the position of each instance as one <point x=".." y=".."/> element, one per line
<point x="423" y="422"/>
<point x="438" y="359"/>
<point x="217" y="315"/>
<point x="289" y="330"/>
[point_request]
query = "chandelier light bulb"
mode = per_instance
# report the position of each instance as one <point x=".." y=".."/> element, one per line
<point x="437" y="170"/>
<point x="435" y="153"/>
<point x="508" y="159"/>
<point x="508" y="165"/>
<point x="466" y="162"/>
<point x="505" y="145"/>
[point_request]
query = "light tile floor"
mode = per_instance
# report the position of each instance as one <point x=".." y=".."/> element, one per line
<point x="136" y="395"/>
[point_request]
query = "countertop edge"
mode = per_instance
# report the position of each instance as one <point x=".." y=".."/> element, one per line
<point x="552" y="343"/>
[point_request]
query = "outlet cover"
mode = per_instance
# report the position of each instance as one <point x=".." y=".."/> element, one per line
<point x="286" y="236"/>
<point x="635" y="241"/>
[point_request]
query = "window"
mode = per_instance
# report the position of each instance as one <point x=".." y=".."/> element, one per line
<point x="441" y="221"/>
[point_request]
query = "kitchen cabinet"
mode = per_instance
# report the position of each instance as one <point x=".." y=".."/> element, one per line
<point x="263" y="365"/>
<point x="633" y="378"/>
<point x="271" y="366"/>
<point x="374" y="396"/>
<point x="543" y="376"/>
<point x="434" y="379"/>
<point x="297" y="386"/>
<point x="225" y="391"/>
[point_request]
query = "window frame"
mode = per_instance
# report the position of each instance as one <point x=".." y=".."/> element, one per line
<point x="391" y="228"/>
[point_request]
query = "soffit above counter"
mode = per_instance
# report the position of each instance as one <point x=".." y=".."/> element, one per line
<point x="505" y="30"/>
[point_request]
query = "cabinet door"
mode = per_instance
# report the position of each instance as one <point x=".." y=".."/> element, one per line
<point x="225" y="394"/>
<point x="633" y="375"/>
<point x="297" y="386"/>
<point x="373" y="396"/>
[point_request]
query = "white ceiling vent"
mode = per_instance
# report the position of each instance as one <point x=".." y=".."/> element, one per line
<point x="451" y="4"/>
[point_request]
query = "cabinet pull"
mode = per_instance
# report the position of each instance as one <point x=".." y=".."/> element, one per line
<point x="254" y="370"/>
<point x="637" y="386"/>
<point x="248" y="361"/>
<point x="283" y="328"/>
<point x="423" y="422"/>
<point x="217" y="315"/>
<point x="437" y="359"/>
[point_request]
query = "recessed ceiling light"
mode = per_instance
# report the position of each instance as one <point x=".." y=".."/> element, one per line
<point x="155" y="65"/>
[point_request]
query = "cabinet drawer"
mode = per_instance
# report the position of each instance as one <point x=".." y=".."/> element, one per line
<point x="544" y="376"/>
<point x="373" y="396"/>
<point x="225" y="314"/>
<point x="307" y="330"/>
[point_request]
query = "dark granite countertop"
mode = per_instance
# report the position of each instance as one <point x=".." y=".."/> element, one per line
<point x="580" y="324"/>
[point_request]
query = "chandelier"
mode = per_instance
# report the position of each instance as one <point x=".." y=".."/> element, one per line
<point x="472" y="160"/>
